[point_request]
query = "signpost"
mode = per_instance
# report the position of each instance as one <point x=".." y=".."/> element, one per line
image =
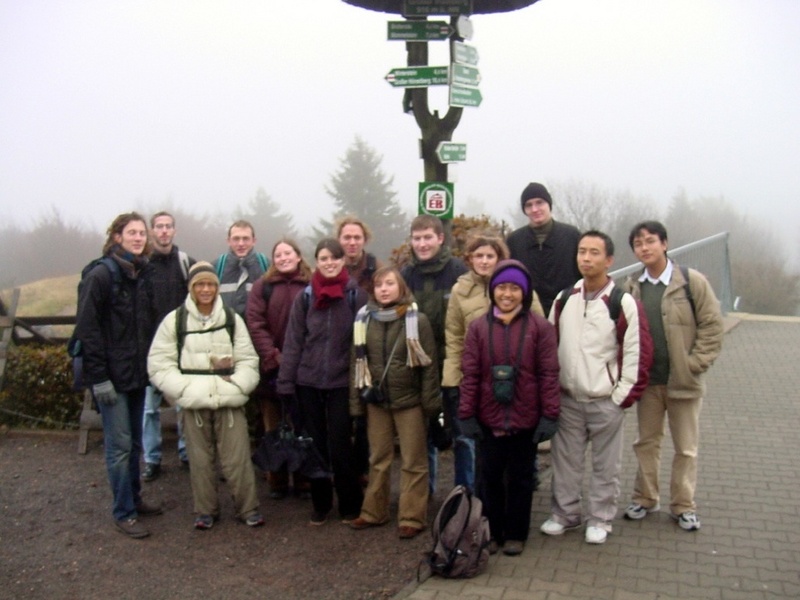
<point x="418" y="77"/>
<point x="451" y="152"/>
<point x="465" y="75"/>
<point x="436" y="199"/>
<point x="465" y="54"/>
<point x="424" y="8"/>
<point x="461" y="95"/>
<point x="418" y="31"/>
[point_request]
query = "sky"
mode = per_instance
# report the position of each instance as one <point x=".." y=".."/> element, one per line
<point x="107" y="106"/>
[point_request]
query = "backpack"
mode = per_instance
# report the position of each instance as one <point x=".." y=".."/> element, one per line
<point x="460" y="537"/>
<point x="223" y="258"/>
<point x="74" y="345"/>
<point x="181" y="320"/>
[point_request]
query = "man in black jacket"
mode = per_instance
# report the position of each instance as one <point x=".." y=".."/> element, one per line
<point x="547" y="248"/>
<point x="115" y="325"/>
<point x="169" y="268"/>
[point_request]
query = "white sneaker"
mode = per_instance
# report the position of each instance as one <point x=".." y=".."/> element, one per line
<point x="688" y="521"/>
<point x="636" y="511"/>
<point x="596" y="535"/>
<point x="553" y="527"/>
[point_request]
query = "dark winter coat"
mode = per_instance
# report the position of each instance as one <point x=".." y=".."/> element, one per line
<point x="536" y="389"/>
<point x="169" y="283"/>
<point x="267" y="324"/>
<point x="553" y="265"/>
<point x="115" y="329"/>
<point x="316" y="349"/>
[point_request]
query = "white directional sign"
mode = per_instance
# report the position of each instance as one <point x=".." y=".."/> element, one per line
<point x="451" y="152"/>
<point x="465" y="54"/>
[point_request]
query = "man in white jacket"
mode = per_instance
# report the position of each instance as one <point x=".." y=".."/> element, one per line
<point x="605" y="352"/>
<point x="202" y="359"/>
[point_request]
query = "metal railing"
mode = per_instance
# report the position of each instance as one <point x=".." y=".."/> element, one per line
<point x="710" y="256"/>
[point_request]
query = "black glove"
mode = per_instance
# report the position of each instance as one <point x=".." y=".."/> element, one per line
<point x="545" y="430"/>
<point x="471" y="428"/>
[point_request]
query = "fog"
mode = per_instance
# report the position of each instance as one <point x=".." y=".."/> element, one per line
<point x="105" y="106"/>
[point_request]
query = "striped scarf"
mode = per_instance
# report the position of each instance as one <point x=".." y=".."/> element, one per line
<point x="416" y="355"/>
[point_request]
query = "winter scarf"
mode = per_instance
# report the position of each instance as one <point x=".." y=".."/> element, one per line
<point x="327" y="289"/>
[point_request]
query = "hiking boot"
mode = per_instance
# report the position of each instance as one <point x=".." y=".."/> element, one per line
<point x="149" y="510"/>
<point x="151" y="472"/>
<point x="636" y="511"/>
<point x="688" y="520"/>
<point x="361" y="523"/>
<point x="406" y="532"/>
<point x="132" y="528"/>
<point x="254" y="519"/>
<point x="318" y="518"/>
<point x="596" y="535"/>
<point x="204" y="522"/>
<point x="553" y="527"/>
<point x="513" y="547"/>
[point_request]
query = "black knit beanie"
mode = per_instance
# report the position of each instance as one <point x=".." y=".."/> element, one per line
<point x="535" y="190"/>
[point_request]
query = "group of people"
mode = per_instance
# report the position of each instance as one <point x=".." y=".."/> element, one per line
<point x="524" y="340"/>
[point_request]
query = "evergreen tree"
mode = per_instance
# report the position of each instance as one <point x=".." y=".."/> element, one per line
<point x="269" y="222"/>
<point x="361" y="188"/>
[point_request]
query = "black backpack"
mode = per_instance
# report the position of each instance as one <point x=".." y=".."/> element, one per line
<point x="460" y="536"/>
<point x="74" y="345"/>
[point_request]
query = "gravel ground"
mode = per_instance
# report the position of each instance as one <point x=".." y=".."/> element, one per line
<point x="58" y="540"/>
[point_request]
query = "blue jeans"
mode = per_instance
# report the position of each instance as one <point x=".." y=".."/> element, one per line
<point x="151" y="429"/>
<point x="463" y="451"/>
<point x="122" y="437"/>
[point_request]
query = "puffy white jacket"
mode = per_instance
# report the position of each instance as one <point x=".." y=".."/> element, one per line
<point x="203" y="391"/>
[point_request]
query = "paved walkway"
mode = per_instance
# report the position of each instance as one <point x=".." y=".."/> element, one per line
<point x="748" y="501"/>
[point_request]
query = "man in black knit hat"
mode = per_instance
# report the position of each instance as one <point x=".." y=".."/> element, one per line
<point x="547" y="248"/>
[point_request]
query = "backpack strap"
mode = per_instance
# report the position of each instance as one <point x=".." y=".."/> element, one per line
<point x="615" y="303"/>
<point x="223" y="258"/>
<point x="262" y="261"/>
<point x="183" y="260"/>
<point x="181" y="319"/>
<point x="687" y="289"/>
<point x="351" y="295"/>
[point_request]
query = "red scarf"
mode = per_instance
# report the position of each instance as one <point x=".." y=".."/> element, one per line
<point x="327" y="289"/>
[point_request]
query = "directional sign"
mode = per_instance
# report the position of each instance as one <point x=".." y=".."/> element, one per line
<point x="461" y="95"/>
<point x="465" y="54"/>
<point x="417" y="77"/>
<point x="418" y="31"/>
<point x="436" y="198"/>
<point x="424" y="8"/>
<point x="451" y="152"/>
<point x="465" y="75"/>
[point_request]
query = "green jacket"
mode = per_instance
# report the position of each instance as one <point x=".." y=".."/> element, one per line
<point x="403" y="386"/>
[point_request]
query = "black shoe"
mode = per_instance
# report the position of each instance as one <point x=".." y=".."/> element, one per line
<point x="151" y="472"/>
<point x="132" y="528"/>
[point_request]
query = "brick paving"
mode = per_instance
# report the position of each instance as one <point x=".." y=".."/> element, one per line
<point x="748" y="497"/>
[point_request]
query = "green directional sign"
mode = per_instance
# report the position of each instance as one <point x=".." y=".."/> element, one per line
<point x="461" y="95"/>
<point x="451" y="152"/>
<point x="436" y="199"/>
<point x="417" y="77"/>
<point x="418" y="31"/>
<point x="424" y="8"/>
<point x="465" y="74"/>
<point x="465" y="54"/>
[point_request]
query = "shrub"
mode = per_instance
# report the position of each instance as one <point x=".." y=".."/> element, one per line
<point x="38" y="385"/>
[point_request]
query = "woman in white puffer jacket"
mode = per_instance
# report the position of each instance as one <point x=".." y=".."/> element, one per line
<point x="202" y="359"/>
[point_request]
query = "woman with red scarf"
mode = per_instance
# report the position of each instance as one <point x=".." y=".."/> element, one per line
<point x="315" y="369"/>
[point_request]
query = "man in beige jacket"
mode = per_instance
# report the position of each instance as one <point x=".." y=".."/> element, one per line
<point x="686" y="326"/>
